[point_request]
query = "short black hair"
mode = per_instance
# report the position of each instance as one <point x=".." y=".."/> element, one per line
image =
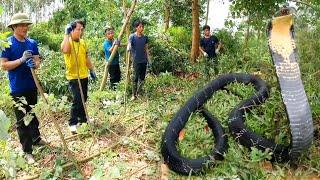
<point x="78" y="21"/>
<point x="136" y="23"/>
<point x="206" y="27"/>
<point x="110" y="28"/>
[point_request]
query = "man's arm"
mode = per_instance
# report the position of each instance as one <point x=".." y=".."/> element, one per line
<point x="110" y="48"/>
<point x="9" y="65"/>
<point x="129" y="45"/>
<point x="36" y="59"/>
<point x="88" y="62"/>
<point x="217" y="45"/>
<point x="201" y="50"/>
<point x="65" y="45"/>
<point x="146" y="47"/>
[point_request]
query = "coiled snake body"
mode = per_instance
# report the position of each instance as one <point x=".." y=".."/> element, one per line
<point x="283" y="51"/>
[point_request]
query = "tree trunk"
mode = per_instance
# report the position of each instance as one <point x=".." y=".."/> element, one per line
<point x="207" y="15"/>
<point x="246" y="39"/>
<point x="166" y="15"/>
<point x="195" y="31"/>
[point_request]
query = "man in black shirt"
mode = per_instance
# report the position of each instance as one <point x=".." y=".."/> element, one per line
<point x="210" y="46"/>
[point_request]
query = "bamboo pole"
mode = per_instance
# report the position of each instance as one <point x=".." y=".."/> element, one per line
<point x="78" y="79"/>
<point x="57" y="127"/>
<point x="39" y="87"/>
<point x="106" y="68"/>
<point x="80" y="88"/>
<point x="128" y="63"/>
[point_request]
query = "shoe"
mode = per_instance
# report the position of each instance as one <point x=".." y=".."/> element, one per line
<point x="29" y="158"/>
<point x="91" y="121"/>
<point x="41" y="143"/>
<point x="73" y="129"/>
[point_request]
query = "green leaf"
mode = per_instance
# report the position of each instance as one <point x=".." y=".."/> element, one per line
<point x="4" y="126"/>
<point x="45" y="175"/>
<point x="58" y="172"/>
<point x="27" y="119"/>
<point x="151" y="155"/>
<point x="97" y="175"/>
<point x="20" y="162"/>
<point x="12" y="172"/>
<point x="114" y="172"/>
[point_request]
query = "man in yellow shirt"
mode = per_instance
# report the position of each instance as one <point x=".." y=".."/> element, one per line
<point x="78" y="63"/>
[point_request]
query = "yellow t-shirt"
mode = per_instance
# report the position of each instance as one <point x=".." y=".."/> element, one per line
<point x="80" y="51"/>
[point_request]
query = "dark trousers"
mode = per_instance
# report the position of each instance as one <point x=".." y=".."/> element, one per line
<point x="139" y="72"/>
<point x="115" y="75"/>
<point x="29" y="134"/>
<point x="211" y="62"/>
<point x="139" y="76"/>
<point x="78" y="114"/>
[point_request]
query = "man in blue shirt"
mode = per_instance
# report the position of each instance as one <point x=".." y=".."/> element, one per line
<point x="138" y="45"/>
<point x="210" y="46"/>
<point x="114" y="68"/>
<point x="17" y="59"/>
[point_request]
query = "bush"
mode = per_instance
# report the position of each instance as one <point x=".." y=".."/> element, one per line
<point x="52" y="72"/>
<point x="180" y="37"/>
<point x="166" y="58"/>
<point x="40" y="33"/>
<point x="231" y="44"/>
<point x="170" y="51"/>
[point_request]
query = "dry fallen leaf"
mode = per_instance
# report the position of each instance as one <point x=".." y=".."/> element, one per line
<point x="182" y="133"/>
<point x="206" y="128"/>
<point x="164" y="172"/>
<point x="266" y="165"/>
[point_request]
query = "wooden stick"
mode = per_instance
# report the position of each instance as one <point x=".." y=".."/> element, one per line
<point x="127" y="79"/>
<point x="79" y="82"/>
<point x="81" y="90"/>
<point x="135" y="172"/>
<point x="57" y="127"/>
<point x="39" y="87"/>
<point x="113" y="53"/>
<point x="68" y="165"/>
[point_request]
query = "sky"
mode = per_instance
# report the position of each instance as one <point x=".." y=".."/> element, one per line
<point x="218" y="12"/>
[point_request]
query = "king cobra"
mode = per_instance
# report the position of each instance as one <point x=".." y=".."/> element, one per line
<point x="283" y="51"/>
<point x="284" y="54"/>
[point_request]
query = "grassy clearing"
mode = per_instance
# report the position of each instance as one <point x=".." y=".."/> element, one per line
<point x="130" y="135"/>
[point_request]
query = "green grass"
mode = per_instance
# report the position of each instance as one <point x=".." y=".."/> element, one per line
<point x="139" y="154"/>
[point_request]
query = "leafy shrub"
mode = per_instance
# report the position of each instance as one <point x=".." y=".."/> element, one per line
<point x="166" y="58"/>
<point x="308" y="44"/>
<point x="40" y="33"/>
<point x="231" y="44"/>
<point x="55" y="41"/>
<point x="169" y="52"/>
<point x="180" y="37"/>
<point x="10" y="161"/>
<point x="95" y="47"/>
<point x="52" y="72"/>
<point x="58" y="21"/>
